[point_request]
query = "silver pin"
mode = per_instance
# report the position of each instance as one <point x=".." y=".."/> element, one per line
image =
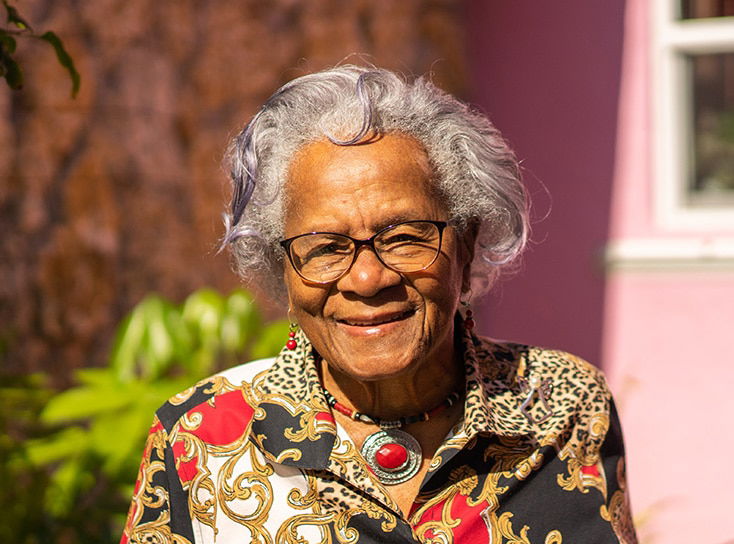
<point x="543" y="387"/>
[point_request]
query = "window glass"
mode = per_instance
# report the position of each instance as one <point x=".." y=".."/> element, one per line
<point x="711" y="180"/>
<point x="698" y="9"/>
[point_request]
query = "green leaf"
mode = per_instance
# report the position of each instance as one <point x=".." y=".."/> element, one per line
<point x="7" y="42"/>
<point x="10" y="70"/>
<point x="14" y="17"/>
<point x="83" y="402"/>
<point x="60" y="445"/>
<point x="179" y="333"/>
<point x="203" y="310"/>
<point x="240" y="323"/>
<point x="167" y="340"/>
<point x="96" y="377"/>
<point x="128" y="345"/>
<point x="64" y="59"/>
<point x="131" y="428"/>
<point x="158" y="345"/>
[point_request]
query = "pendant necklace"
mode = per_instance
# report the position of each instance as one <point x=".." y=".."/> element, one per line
<point x="393" y="455"/>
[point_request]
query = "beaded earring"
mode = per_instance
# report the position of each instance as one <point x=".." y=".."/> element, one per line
<point x="468" y="314"/>
<point x="291" y="344"/>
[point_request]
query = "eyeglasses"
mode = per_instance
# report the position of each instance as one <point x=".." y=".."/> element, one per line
<point x="324" y="257"/>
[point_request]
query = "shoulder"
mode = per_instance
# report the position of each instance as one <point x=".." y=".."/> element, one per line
<point x="522" y="360"/>
<point x="543" y="380"/>
<point x="219" y="400"/>
<point x="565" y="367"/>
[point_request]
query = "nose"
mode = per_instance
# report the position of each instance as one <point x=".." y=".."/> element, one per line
<point x="367" y="276"/>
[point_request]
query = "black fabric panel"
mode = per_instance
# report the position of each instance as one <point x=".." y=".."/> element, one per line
<point x="159" y="480"/>
<point x="543" y="505"/>
<point x="178" y="500"/>
<point x="314" y="453"/>
<point x="612" y="450"/>
<point x="169" y="414"/>
<point x="537" y="501"/>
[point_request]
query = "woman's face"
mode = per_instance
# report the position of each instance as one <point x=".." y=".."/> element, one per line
<point x="373" y="323"/>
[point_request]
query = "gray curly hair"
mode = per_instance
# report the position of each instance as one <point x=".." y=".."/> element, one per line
<point x="476" y="172"/>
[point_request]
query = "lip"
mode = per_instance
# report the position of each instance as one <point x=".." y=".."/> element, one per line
<point x="373" y="323"/>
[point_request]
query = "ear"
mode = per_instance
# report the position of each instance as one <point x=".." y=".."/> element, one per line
<point x="468" y="239"/>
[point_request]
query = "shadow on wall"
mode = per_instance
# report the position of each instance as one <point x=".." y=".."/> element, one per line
<point x="549" y="79"/>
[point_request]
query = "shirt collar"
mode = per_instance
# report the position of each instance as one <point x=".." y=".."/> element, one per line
<point x="293" y="423"/>
<point x="493" y="397"/>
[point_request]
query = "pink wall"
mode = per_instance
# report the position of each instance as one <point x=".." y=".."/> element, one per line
<point x="670" y="353"/>
<point x="667" y="339"/>
<point x="549" y="79"/>
<point x="571" y="88"/>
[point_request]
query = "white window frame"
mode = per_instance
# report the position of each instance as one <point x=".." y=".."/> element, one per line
<point x="672" y="40"/>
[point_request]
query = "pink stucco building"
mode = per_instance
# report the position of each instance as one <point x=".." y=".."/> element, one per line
<point x="632" y="263"/>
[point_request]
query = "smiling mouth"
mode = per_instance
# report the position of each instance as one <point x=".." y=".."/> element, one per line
<point x="376" y="320"/>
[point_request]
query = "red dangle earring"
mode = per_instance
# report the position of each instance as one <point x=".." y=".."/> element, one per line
<point x="468" y="314"/>
<point x="291" y="344"/>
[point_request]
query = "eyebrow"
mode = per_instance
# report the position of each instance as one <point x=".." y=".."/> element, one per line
<point x="397" y="218"/>
<point x="376" y="227"/>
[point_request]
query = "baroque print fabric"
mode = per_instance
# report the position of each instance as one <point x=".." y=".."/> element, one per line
<point x="254" y="455"/>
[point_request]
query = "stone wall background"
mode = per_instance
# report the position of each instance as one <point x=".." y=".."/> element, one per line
<point x="118" y="193"/>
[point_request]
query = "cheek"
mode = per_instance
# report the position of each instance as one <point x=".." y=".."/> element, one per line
<point x="442" y="291"/>
<point x="305" y="299"/>
<point x="440" y="294"/>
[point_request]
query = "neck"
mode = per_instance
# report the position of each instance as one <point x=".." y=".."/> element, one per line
<point x="417" y="390"/>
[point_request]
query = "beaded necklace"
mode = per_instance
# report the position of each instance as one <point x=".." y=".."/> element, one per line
<point x="394" y="456"/>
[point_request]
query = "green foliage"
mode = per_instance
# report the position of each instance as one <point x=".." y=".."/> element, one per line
<point x="98" y="428"/>
<point x="21" y="504"/>
<point x="18" y="26"/>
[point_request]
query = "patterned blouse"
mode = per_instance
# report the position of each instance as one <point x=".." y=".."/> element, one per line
<point x="254" y="455"/>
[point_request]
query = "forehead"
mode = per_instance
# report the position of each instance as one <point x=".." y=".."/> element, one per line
<point x="362" y="186"/>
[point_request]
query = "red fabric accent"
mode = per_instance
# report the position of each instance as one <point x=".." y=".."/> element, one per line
<point x="325" y="416"/>
<point x="590" y="470"/>
<point x="186" y="469"/>
<point x="472" y="527"/>
<point x="224" y="422"/>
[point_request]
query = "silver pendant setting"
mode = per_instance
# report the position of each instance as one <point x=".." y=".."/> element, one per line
<point x="383" y="452"/>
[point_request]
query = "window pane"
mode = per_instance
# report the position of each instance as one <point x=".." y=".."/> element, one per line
<point x="712" y="175"/>
<point x="698" y="9"/>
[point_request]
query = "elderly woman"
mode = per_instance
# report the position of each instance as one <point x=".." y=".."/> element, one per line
<point x="375" y="208"/>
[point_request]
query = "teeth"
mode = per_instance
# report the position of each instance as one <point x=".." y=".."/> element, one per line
<point x="374" y="323"/>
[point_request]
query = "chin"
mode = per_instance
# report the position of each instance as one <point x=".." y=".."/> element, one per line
<point x="379" y="361"/>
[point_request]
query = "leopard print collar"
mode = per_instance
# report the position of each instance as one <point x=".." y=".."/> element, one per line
<point x="293" y="423"/>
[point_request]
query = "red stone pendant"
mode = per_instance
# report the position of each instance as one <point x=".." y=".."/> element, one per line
<point x="393" y="455"/>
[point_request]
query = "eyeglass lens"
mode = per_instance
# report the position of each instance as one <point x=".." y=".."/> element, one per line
<point x="406" y="247"/>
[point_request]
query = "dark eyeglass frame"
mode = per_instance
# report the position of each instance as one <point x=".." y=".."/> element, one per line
<point x="369" y="242"/>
